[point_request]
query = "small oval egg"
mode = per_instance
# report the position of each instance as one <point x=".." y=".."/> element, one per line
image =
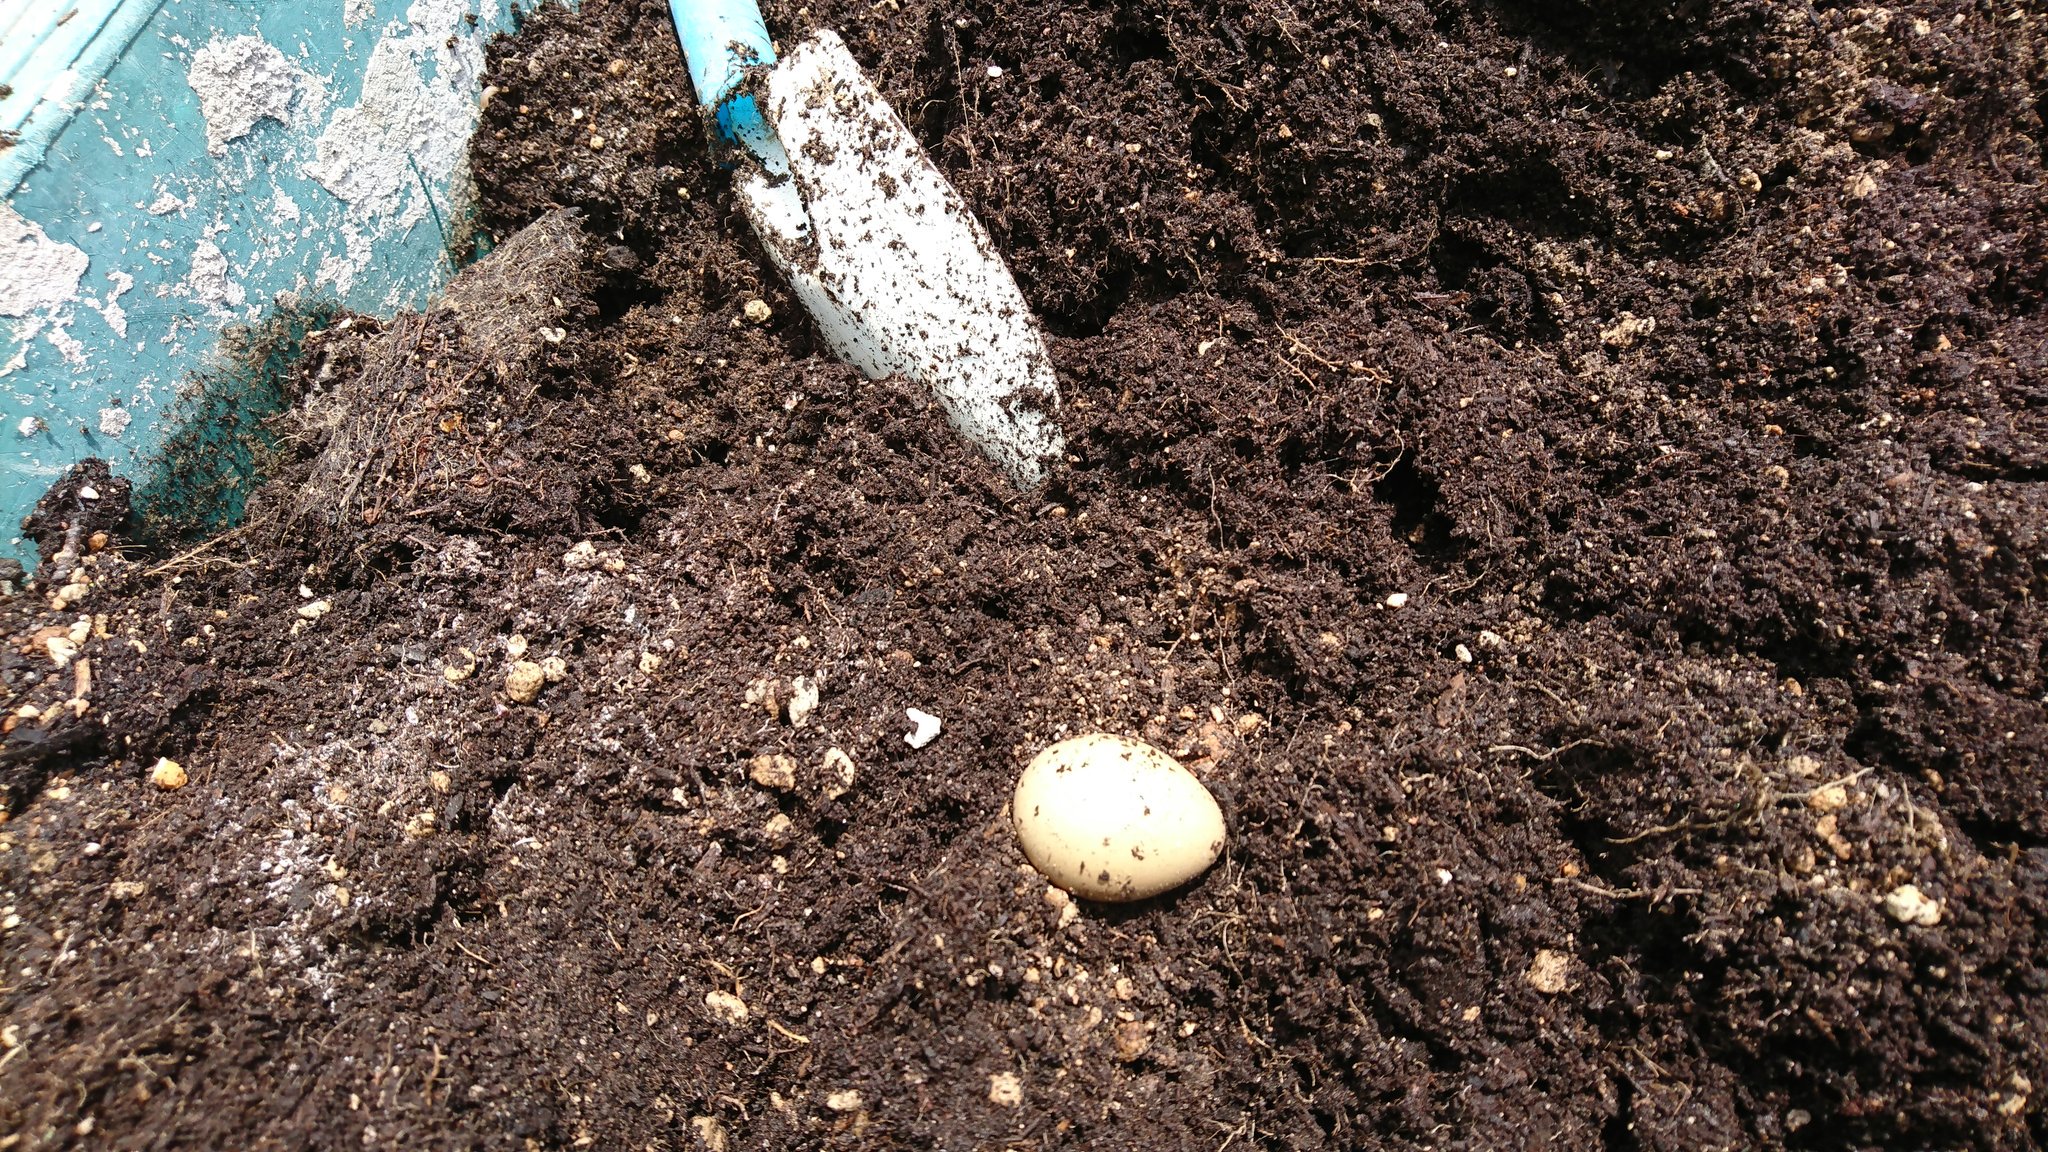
<point x="1114" y="819"/>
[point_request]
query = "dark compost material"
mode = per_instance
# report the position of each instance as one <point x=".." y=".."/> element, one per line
<point x="1568" y="476"/>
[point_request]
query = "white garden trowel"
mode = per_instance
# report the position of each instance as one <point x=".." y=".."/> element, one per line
<point x="884" y="254"/>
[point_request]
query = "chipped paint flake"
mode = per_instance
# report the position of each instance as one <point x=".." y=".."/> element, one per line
<point x="37" y="274"/>
<point x="241" y="81"/>
<point x="110" y="311"/>
<point x="209" y="282"/>
<point x="410" y="128"/>
<point x="67" y="345"/>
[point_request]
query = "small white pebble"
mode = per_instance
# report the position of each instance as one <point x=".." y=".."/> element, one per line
<point x="803" y="700"/>
<point x="523" y="681"/>
<point x="168" y="774"/>
<point x="1443" y="875"/>
<point x="1464" y="654"/>
<point x="1397" y="599"/>
<point x="1548" y="972"/>
<point x="839" y="773"/>
<point x="1510" y="72"/>
<point x="775" y="770"/>
<point x="61" y="650"/>
<point x="925" y="727"/>
<point x="1908" y="905"/>
<point x="995" y="71"/>
<point x="726" y="1006"/>
<point x="1827" y="798"/>
<point x="1006" y="1089"/>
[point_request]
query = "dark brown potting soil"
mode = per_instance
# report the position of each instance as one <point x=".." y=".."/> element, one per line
<point x="1568" y="476"/>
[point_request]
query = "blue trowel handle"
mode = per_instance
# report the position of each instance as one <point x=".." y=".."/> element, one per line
<point x="721" y="40"/>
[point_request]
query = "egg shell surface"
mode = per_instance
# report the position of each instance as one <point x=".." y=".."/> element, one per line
<point x="1114" y="819"/>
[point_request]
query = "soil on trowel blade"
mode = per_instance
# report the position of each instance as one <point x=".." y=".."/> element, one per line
<point x="1569" y="477"/>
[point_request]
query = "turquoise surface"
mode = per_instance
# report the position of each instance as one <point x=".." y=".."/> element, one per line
<point x="120" y="169"/>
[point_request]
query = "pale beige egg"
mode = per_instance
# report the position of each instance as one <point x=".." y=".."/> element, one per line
<point x="1110" y="818"/>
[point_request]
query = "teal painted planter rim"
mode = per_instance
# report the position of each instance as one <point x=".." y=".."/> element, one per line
<point x="52" y="63"/>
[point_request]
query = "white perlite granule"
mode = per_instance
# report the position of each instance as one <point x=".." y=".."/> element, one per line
<point x="114" y="421"/>
<point x="239" y="82"/>
<point x="37" y="274"/>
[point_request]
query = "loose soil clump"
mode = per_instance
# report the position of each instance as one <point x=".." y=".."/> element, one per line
<point x="1568" y="477"/>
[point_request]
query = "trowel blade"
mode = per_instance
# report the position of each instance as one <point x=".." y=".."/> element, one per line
<point x="898" y="273"/>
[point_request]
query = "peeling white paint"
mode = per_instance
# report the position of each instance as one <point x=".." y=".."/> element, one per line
<point x="115" y="315"/>
<point x="240" y="81"/>
<point x="24" y="334"/>
<point x="209" y="282"/>
<point x="114" y="421"/>
<point x="37" y="274"/>
<point x="336" y="271"/>
<point x="67" y="345"/>
<point x="356" y="13"/>
<point x="409" y="131"/>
